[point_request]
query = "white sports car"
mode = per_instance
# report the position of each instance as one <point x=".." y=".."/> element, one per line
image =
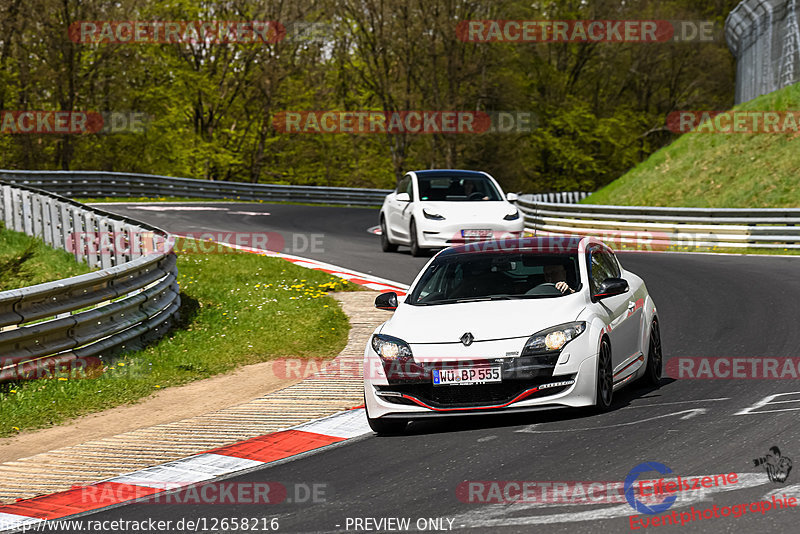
<point x="439" y="208"/>
<point x="517" y="324"/>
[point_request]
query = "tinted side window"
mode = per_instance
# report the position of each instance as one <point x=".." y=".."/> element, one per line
<point x="404" y="184"/>
<point x="598" y="269"/>
<point x="611" y="263"/>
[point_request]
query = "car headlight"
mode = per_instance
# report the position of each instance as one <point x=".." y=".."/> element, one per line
<point x="553" y="339"/>
<point x="432" y="216"/>
<point x="391" y="348"/>
<point x="512" y="216"/>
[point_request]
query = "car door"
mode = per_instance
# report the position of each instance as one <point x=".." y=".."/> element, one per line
<point x="621" y="331"/>
<point x="396" y="209"/>
<point x="635" y="325"/>
<point x="408" y="208"/>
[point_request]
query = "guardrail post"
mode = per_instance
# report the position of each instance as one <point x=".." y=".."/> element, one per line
<point x="8" y="207"/>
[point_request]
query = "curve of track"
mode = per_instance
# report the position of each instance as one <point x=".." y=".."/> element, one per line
<point x="709" y="306"/>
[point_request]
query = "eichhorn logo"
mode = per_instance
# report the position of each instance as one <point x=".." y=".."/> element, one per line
<point x="586" y="31"/>
<point x="181" y="31"/>
<point x="404" y="122"/>
<point x="777" y="467"/>
<point x="732" y="122"/>
<point x="630" y="494"/>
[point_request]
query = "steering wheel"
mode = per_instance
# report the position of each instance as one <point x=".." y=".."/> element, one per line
<point x="477" y="195"/>
<point x="545" y="288"/>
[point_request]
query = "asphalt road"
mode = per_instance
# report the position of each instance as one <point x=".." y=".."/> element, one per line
<point x="708" y="306"/>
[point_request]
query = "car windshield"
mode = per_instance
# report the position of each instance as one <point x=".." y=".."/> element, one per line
<point x="469" y="277"/>
<point x="457" y="188"/>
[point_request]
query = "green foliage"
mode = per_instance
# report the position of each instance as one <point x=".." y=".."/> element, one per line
<point x="744" y="170"/>
<point x="599" y="107"/>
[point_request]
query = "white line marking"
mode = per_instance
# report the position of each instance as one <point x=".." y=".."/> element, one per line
<point x="531" y="429"/>
<point x="248" y="213"/>
<point x="677" y="402"/>
<point x="767" y="400"/>
<point x="176" y="208"/>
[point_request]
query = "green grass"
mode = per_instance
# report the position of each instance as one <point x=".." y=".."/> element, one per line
<point x="26" y="261"/>
<point x="718" y="170"/>
<point x="237" y="309"/>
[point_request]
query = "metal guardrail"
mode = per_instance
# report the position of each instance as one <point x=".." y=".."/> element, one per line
<point x="564" y="197"/>
<point x="131" y="300"/>
<point x="660" y="227"/>
<point x="93" y="184"/>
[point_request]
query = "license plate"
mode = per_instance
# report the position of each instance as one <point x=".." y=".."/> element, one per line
<point x="476" y="233"/>
<point x="473" y="375"/>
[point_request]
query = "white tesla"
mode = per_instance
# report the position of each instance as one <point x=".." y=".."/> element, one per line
<point x="516" y="324"/>
<point x="439" y="208"/>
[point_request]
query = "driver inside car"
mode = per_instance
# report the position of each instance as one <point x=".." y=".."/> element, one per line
<point x="470" y="189"/>
<point x="557" y="274"/>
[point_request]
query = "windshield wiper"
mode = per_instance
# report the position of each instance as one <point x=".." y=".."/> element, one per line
<point x="478" y="299"/>
<point x="466" y="299"/>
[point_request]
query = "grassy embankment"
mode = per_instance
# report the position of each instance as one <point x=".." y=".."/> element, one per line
<point x="237" y="309"/>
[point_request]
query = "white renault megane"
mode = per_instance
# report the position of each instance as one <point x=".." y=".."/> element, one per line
<point x="517" y="324"/>
<point x="439" y="208"/>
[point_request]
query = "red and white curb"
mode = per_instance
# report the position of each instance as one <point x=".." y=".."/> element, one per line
<point x="216" y="463"/>
<point x="204" y="467"/>
<point x="367" y="280"/>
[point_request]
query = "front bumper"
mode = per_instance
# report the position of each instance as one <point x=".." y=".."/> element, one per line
<point x="519" y="390"/>
<point x="436" y="234"/>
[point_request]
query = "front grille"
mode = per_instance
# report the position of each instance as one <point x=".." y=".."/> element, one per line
<point x="475" y="395"/>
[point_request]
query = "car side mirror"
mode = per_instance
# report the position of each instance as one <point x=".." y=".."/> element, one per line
<point x="403" y="197"/>
<point x="512" y="197"/>
<point x="611" y="287"/>
<point x="386" y="301"/>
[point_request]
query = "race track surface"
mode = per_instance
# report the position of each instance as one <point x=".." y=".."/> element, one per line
<point x="715" y="306"/>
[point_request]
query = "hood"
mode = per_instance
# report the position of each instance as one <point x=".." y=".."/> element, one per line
<point x="500" y="319"/>
<point x="468" y="209"/>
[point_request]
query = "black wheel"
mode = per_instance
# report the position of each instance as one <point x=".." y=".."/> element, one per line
<point x="386" y="245"/>
<point x="416" y="251"/>
<point x="385" y="427"/>
<point x="652" y="374"/>
<point x="605" y="379"/>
